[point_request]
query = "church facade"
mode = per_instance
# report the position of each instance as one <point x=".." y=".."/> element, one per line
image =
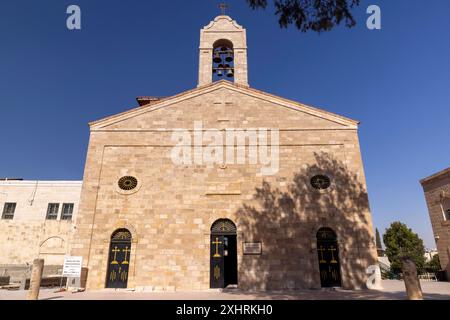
<point x="224" y="186"/>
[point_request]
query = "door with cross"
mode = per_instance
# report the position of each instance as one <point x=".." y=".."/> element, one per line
<point x="217" y="261"/>
<point x="328" y="256"/>
<point x="223" y="254"/>
<point x="119" y="260"/>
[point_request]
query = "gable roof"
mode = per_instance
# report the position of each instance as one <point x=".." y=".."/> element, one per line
<point x="166" y="102"/>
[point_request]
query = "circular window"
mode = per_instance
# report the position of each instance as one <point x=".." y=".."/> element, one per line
<point x="127" y="183"/>
<point x="320" y="182"/>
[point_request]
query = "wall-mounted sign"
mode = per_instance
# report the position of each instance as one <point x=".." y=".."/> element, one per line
<point x="72" y="267"/>
<point x="252" y="248"/>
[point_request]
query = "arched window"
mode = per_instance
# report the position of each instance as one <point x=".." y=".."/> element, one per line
<point x="326" y="234"/>
<point x="447" y="214"/>
<point x="223" y="226"/>
<point x="223" y="60"/>
<point x="121" y="235"/>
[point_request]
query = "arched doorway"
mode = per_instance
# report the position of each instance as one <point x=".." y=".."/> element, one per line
<point x="328" y="253"/>
<point x="119" y="259"/>
<point x="223" y="254"/>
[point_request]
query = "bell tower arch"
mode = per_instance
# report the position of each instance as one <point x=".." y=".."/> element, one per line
<point x="223" y="52"/>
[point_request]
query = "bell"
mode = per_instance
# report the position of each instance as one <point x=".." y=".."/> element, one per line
<point x="230" y="73"/>
<point x="217" y="58"/>
<point x="229" y="57"/>
<point x="219" y="72"/>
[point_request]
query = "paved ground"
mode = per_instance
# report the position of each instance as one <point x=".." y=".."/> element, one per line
<point x="392" y="290"/>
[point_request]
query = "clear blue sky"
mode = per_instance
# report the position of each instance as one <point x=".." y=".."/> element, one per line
<point x="395" y="81"/>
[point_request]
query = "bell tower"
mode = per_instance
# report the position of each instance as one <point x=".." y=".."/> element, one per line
<point x="223" y="52"/>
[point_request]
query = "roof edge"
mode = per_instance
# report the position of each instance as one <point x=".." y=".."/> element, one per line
<point x="24" y="182"/>
<point x="435" y="176"/>
<point x="229" y="84"/>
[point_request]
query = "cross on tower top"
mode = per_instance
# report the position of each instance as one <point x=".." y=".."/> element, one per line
<point x="223" y="31"/>
<point x="223" y="7"/>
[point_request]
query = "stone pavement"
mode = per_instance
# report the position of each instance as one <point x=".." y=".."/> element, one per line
<point x="392" y="290"/>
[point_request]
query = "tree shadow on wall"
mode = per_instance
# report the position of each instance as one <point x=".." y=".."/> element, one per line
<point x="286" y="221"/>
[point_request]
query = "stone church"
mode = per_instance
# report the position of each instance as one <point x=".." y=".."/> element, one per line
<point x="170" y="202"/>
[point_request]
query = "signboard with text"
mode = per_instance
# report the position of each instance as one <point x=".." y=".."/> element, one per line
<point x="252" y="248"/>
<point x="72" y="267"/>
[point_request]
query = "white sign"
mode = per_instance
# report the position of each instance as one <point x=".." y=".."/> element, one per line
<point x="72" y="267"/>
<point x="252" y="248"/>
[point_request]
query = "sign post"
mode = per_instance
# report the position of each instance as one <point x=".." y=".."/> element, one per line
<point x="72" y="267"/>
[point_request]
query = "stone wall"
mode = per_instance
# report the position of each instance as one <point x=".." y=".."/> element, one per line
<point x="22" y="242"/>
<point x="437" y="195"/>
<point x="17" y="272"/>
<point x="29" y="235"/>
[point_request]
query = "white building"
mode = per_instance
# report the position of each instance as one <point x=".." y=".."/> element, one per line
<point x="429" y="254"/>
<point x="37" y="219"/>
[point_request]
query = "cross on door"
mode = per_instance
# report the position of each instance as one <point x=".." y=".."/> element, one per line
<point x="321" y="250"/>
<point x="115" y="250"/>
<point x="217" y="242"/>
<point x="332" y="249"/>
<point x="126" y="250"/>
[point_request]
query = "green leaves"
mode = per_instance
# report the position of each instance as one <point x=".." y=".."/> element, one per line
<point x="314" y="15"/>
<point x="400" y="241"/>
